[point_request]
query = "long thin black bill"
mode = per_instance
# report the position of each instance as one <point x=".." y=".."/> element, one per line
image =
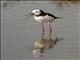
<point x="30" y="14"/>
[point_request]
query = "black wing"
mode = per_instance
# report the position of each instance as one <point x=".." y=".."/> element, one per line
<point x="51" y="15"/>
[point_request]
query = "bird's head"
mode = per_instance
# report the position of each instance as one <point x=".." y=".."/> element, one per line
<point x="36" y="12"/>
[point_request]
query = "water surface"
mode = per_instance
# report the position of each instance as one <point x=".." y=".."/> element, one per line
<point x="19" y="33"/>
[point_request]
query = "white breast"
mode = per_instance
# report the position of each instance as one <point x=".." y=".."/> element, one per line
<point x="44" y="18"/>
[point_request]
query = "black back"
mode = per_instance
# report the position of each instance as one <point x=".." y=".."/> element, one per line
<point x="51" y="15"/>
<point x="44" y="13"/>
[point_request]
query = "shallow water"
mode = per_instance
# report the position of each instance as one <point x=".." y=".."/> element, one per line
<point x="19" y="33"/>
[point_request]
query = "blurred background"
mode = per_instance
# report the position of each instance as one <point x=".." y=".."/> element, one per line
<point x="18" y="33"/>
<point x="59" y="3"/>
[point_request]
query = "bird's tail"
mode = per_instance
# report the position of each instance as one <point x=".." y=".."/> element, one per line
<point x="58" y="39"/>
<point x="59" y="17"/>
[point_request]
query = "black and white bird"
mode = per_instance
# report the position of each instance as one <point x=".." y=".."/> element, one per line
<point x="43" y="17"/>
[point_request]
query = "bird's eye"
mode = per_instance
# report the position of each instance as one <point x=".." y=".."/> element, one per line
<point x="36" y="11"/>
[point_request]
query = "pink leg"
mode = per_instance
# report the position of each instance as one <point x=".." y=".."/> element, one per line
<point x="42" y="30"/>
<point x="50" y="30"/>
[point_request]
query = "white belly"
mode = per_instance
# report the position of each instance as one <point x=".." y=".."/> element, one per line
<point x="44" y="18"/>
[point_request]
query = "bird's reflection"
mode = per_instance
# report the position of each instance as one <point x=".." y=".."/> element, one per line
<point x="43" y="45"/>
